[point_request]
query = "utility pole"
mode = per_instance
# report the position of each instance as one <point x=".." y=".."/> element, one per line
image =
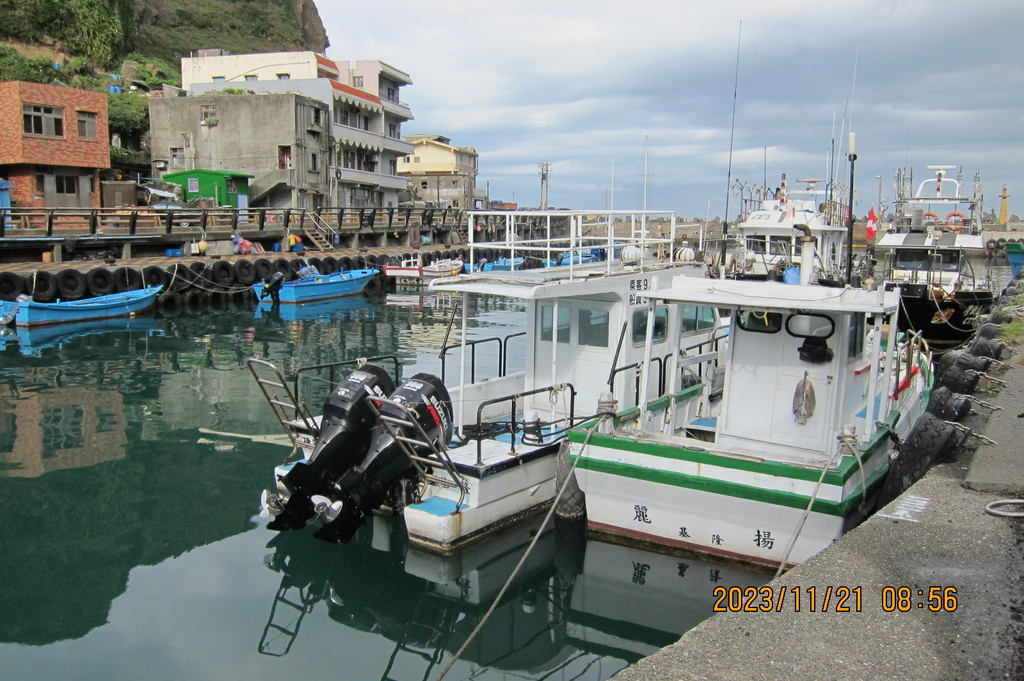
<point x="545" y="169"/>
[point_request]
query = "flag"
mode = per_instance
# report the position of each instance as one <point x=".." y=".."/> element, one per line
<point x="872" y="224"/>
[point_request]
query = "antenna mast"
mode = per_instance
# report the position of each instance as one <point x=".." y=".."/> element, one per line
<point x="545" y="169"/>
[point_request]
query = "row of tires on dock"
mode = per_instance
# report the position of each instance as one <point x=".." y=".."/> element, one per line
<point x="203" y="276"/>
<point x="959" y="374"/>
<point x="996" y="248"/>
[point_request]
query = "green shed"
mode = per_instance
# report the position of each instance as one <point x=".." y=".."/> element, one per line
<point x="223" y="187"/>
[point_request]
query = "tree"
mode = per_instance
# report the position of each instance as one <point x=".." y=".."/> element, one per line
<point x="128" y="113"/>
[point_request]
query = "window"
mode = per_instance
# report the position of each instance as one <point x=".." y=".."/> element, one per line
<point x="423" y="185"/>
<point x="207" y="111"/>
<point x="856" y="345"/>
<point x="393" y="166"/>
<point x="66" y="184"/>
<point x="392" y="94"/>
<point x="218" y="79"/>
<point x="43" y="120"/>
<point x="251" y="76"/>
<point x="364" y="122"/>
<point x="86" y="125"/>
<point x="357" y="81"/>
<point x="546" y="317"/>
<point x="759" y="321"/>
<point x="640" y="325"/>
<point x="392" y="130"/>
<point x="808" y="325"/>
<point x="697" y="318"/>
<point x="593" y="328"/>
<point x="284" y="76"/>
<point x="314" y="163"/>
<point x="231" y="185"/>
<point x="316" y="116"/>
<point x="284" y="158"/>
<point x="177" y="156"/>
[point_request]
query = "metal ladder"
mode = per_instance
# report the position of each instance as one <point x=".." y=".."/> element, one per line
<point x="437" y="455"/>
<point x="277" y="635"/>
<point x="294" y="416"/>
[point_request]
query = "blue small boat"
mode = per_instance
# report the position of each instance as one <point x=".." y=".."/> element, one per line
<point x="311" y="286"/>
<point x="500" y="265"/>
<point x="323" y="310"/>
<point x="29" y="313"/>
<point x="33" y="340"/>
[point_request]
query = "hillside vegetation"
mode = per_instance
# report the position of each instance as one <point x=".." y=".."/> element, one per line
<point x="103" y="32"/>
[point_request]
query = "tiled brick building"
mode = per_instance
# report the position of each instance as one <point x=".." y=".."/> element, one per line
<point x="54" y="141"/>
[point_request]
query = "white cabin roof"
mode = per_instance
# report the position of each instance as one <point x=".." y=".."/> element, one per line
<point x="730" y="293"/>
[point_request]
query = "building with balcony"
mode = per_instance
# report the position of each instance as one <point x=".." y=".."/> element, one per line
<point x="365" y="110"/>
<point x="442" y="175"/>
<point x="54" y="141"/>
<point x="282" y="140"/>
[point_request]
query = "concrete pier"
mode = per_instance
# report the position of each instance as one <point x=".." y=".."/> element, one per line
<point x="961" y="615"/>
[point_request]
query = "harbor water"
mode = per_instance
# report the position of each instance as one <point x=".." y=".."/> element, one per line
<point x="132" y="457"/>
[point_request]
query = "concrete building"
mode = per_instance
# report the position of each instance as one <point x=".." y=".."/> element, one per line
<point x="282" y="140"/>
<point x="441" y="175"/>
<point x="54" y="141"/>
<point x="366" y="113"/>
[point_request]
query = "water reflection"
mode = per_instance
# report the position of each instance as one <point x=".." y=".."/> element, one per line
<point x="131" y="462"/>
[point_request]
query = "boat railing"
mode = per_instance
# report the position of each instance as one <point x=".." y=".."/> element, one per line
<point x="532" y="433"/>
<point x="501" y="368"/>
<point x="335" y="371"/>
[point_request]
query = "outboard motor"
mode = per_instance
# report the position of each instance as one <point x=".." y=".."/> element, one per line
<point x="345" y="432"/>
<point x="386" y="465"/>
<point x="273" y="287"/>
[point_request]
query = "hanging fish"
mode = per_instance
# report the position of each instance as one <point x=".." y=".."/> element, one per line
<point x="804" y="401"/>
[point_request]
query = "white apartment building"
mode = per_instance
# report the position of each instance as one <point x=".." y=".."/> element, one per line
<point x="366" y="113"/>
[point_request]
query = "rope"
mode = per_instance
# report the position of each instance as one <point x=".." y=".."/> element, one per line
<point x="529" y="549"/>
<point x="992" y="508"/>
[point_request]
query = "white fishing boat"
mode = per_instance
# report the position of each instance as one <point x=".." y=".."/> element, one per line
<point x="768" y="449"/>
<point x="474" y="449"/>
<point x="935" y="255"/>
<point x="766" y="245"/>
<point x="420" y="270"/>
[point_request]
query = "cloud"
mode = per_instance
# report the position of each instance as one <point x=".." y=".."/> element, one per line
<point x="581" y="85"/>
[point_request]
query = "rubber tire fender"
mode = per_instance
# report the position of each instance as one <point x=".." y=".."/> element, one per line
<point x="44" y="286"/>
<point x="12" y="285"/>
<point x="245" y="272"/>
<point x="223" y="273"/>
<point x="100" y="281"/>
<point x="127" y="279"/>
<point x="71" y="284"/>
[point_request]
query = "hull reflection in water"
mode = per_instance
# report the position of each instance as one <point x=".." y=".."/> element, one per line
<point x="571" y="603"/>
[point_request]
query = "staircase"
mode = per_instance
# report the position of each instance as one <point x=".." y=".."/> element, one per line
<point x="318" y="232"/>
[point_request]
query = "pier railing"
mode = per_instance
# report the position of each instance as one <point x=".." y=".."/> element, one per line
<point x="143" y="220"/>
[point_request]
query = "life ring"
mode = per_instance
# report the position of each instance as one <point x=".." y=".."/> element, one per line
<point x="955" y="221"/>
<point x="71" y="284"/>
<point x="100" y="281"/>
<point x="933" y="216"/>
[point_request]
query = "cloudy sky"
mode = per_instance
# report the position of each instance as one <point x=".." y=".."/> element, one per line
<point x="583" y="84"/>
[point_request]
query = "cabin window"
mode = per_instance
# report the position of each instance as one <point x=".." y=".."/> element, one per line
<point x="593" y="328"/>
<point x="759" y="321"/>
<point x="756" y="244"/>
<point x="697" y="318"/>
<point x="857" y="325"/>
<point x="805" y="325"/>
<point x="781" y="245"/>
<point x="546" y="323"/>
<point x="912" y="259"/>
<point x="640" y="325"/>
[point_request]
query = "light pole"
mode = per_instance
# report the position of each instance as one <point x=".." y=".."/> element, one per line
<point x="852" y="155"/>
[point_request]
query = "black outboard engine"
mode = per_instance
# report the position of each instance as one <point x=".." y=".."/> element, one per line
<point x="365" y="486"/>
<point x="273" y="288"/>
<point x="345" y="431"/>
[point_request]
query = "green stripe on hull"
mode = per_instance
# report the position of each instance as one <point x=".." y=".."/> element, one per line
<point x="839" y="509"/>
<point x="848" y="466"/>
